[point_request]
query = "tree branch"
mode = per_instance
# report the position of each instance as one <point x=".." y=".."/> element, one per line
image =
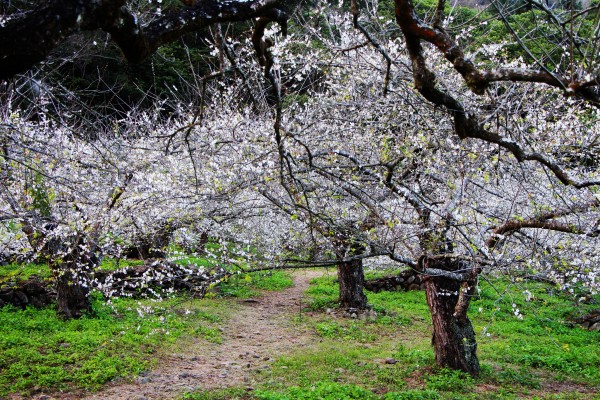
<point x="544" y="221"/>
<point x="476" y="80"/>
<point x="28" y="38"/>
<point x="466" y="125"/>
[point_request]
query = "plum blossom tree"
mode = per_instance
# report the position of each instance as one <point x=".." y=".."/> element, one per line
<point x="57" y="194"/>
<point x="452" y="250"/>
<point x="358" y="164"/>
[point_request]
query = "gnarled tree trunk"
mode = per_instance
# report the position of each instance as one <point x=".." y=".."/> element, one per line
<point x="72" y="274"/>
<point x="72" y="295"/>
<point x="351" y="280"/>
<point x="448" y="299"/>
<point x="201" y="246"/>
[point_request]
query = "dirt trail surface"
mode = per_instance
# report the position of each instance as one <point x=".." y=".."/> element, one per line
<point x="258" y="331"/>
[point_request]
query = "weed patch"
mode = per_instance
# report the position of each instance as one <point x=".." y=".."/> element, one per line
<point x="249" y="285"/>
<point x="319" y="391"/>
<point x="38" y="349"/>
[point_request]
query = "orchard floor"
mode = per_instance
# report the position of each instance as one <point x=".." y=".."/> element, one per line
<point x="259" y="332"/>
<point x="266" y="329"/>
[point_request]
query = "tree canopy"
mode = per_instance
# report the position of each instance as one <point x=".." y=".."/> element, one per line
<point x="451" y="140"/>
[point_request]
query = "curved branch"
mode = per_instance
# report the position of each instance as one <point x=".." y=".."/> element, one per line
<point x="545" y="221"/>
<point x="28" y="38"/>
<point x="465" y="125"/>
<point x="476" y="80"/>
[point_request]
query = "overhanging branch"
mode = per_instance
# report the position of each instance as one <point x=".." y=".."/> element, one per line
<point x="28" y="38"/>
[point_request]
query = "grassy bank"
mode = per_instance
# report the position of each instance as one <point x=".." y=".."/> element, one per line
<point x="535" y="353"/>
<point x="116" y="341"/>
<point x="528" y="345"/>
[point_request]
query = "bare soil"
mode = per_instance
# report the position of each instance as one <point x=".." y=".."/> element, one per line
<point x="259" y="331"/>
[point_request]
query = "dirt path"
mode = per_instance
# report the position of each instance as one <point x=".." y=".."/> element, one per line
<point x="259" y="330"/>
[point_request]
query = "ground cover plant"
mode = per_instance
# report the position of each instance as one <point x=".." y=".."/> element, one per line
<point x="529" y="348"/>
<point x="458" y="142"/>
<point x="118" y="339"/>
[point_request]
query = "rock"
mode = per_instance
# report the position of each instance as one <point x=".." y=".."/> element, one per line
<point x="143" y="380"/>
<point x="394" y="283"/>
<point x="590" y="321"/>
<point x="340" y="370"/>
<point x="391" y="361"/>
<point x="353" y="315"/>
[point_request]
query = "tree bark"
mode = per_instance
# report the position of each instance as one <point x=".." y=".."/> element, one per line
<point x="201" y="246"/>
<point x="73" y="275"/>
<point x="72" y="295"/>
<point x="453" y="339"/>
<point x="351" y="280"/>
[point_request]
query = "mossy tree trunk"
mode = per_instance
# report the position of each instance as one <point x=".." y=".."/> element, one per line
<point x="448" y="299"/>
<point x="72" y="273"/>
<point x="351" y="280"/>
<point x="72" y="295"/>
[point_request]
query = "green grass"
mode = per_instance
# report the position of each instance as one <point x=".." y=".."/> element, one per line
<point x="37" y="349"/>
<point x="390" y="356"/>
<point x="13" y="272"/>
<point x="17" y="272"/>
<point x="250" y="285"/>
<point x="544" y="339"/>
<point x="111" y="264"/>
<point x="115" y="341"/>
<point x="384" y="357"/>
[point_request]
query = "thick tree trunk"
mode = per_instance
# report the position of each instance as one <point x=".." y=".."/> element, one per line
<point x="72" y="294"/>
<point x="453" y="335"/>
<point x="73" y="275"/>
<point x="351" y="280"/>
<point x="201" y="246"/>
